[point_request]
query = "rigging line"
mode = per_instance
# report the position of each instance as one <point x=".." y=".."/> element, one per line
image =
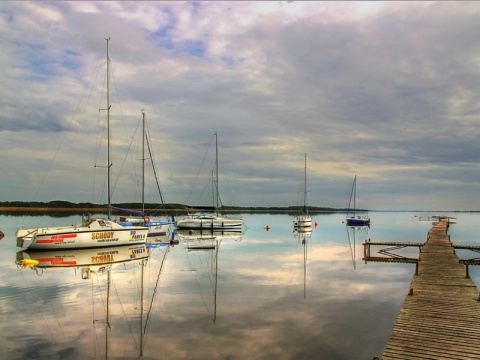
<point x="154" y="293"/>
<point x="198" y="285"/>
<point x="124" y="312"/>
<point x="352" y="196"/>
<point x="214" y="260"/>
<point x="201" y="166"/>
<point x="35" y="300"/>
<point x="154" y="168"/>
<point x="94" y="333"/>
<point x="48" y="171"/>
<point x="84" y="98"/>
<point x="351" y="249"/>
<point x="155" y="172"/>
<point x="112" y="73"/>
<point x="59" y="326"/>
<point x="125" y="160"/>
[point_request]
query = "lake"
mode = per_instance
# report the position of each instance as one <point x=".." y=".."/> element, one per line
<point x="262" y="295"/>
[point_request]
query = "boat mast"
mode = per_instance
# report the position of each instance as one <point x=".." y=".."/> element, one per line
<point x="143" y="162"/>
<point x="354" y="194"/>
<point x="305" y="209"/>
<point x="108" y="127"/>
<point x="216" y="172"/>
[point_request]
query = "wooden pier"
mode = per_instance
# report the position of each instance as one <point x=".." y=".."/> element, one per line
<point x="440" y="318"/>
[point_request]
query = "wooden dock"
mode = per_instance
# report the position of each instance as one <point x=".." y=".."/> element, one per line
<point x="440" y="318"/>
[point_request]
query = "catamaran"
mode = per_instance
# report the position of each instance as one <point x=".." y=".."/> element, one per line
<point x="91" y="233"/>
<point x="215" y="221"/>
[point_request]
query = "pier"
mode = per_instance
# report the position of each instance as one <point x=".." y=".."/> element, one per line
<point x="440" y="317"/>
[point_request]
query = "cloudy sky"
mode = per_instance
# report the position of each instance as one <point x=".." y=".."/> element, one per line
<point x="387" y="91"/>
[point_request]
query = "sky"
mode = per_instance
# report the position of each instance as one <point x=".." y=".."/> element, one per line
<point x="386" y="91"/>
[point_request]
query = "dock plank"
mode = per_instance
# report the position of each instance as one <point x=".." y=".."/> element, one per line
<point x="440" y="317"/>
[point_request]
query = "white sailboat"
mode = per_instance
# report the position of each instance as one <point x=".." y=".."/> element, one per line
<point x="356" y="219"/>
<point x="91" y="233"/>
<point x="303" y="219"/>
<point x="155" y="227"/>
<point x="214" y="221"/>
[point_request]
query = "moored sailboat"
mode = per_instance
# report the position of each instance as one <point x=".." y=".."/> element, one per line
<point x="356" y="219"/>
<point x="155" y="227"/>
<point x="215" y="221"/>
<point x="90" y="233"/>
<point x="303" y="219"/>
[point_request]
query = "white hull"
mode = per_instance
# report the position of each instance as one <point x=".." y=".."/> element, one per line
<point x="302" y="221"/>
<point x="209" y="222"/>
<point x="97" y="233"/>
<point x="155" y="228"/>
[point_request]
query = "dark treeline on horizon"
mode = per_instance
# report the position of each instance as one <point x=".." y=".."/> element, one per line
<point x="58" y="204"/>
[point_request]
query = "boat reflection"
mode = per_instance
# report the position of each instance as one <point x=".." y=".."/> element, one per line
<point x="97" y="267"/>
<point x="351" y="234"/>
<point x="203" y="248"/>
<point x="303" y="236"/>
<point x="199" y="239"/>
<point x="88" y="260"/>
<point x="160" y="241"/>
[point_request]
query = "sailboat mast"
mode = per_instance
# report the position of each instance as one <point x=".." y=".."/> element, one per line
<point x="354" y="194"/>
<point x="216" y="172"/>
<point x="305" y="210"/>
<point x="108" y="128"/>
<point x="143" y="161"/>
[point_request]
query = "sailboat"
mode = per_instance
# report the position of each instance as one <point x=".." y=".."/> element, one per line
<point x="91" y="233"/>
<point x="155" y="227"/>
<point x="354" y="219"/>
<point x="303" y="219"/>
<point x="211" y="221"/>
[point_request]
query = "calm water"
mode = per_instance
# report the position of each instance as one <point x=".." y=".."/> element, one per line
<point x="262" y="296"/>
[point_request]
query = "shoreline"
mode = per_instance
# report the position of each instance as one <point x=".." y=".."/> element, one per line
<point x="11" y="209"/>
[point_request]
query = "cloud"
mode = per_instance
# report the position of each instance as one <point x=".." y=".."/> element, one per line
<point x="384" y="90"/>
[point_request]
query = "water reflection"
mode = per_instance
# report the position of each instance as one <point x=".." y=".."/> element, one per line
<point x="97" y="267"/>
<point x="304" y="236"/>
<point x="258" y="294"/>
<point x="351" y="235"/>
<point x="202" y="250"/>
<point x="195" y="238"/>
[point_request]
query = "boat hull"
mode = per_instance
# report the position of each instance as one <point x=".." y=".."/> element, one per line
<point x="211" y="223"/>
<point x="158" y="229"/>
<point x="302" y="221"/>
<point x="155" y="228"/>
<point x="358" y="221"/>
<point x="98" y="233"/>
